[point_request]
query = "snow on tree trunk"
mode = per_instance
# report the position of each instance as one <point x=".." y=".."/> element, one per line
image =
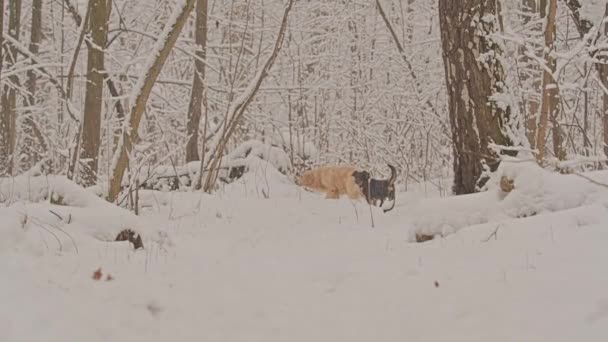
<point x="473" y="75"/>
<point x="196" y="97"/>
<point x="530" y="71"/>
<point x="549" y="89"/>
<point x="93" y="103"/>
<point x="142" y="90"/>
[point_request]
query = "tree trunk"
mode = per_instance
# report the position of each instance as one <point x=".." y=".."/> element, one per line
<point x="1" y="38"/>
<point x="8" y="113"/>
<point x="530" y="71"/>
<point x="548" y="107"/>
<point x="130" y="133"/>
<point x="198" y="92"/>
<point x="33" y="140"/>
<point x="112" y="88"/>
<point x="4" y="123"/>
<point x="603" y="75"/>
<point x="476" y="120"/>
<point x="93" y="102"/>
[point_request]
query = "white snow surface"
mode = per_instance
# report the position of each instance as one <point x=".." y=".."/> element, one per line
<point x="286" y="264"/>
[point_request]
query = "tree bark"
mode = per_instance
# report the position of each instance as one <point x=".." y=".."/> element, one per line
<point x="8" y="113"/>
<point x="93" y="102"/>
<point x="473" y="76"/>
<point x="602" y="69"/>
<point x="1" y="37"/>
<point x="549" y="102"/>
<point x="530" y="71"/>
<point x="198" y="89"/>
<point x="4" y="122"/>
<point x="33" y="140"/>
<point x="120" y="112"/>
<point x="130" y="132"/>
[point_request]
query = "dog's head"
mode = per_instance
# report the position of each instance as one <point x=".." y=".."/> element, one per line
<point x="361" y="178"/>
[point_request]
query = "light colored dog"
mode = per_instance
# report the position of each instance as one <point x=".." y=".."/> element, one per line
<point x="334" y="181"/>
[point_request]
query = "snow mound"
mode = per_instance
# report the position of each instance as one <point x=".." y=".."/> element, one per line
<point x="52" y="213"/>
<point x="536" y="192"/>
<point x="274" y="155"/>
<point x="53" y="189"/>
<point x="233" y="166"/>
<point x="261" y="180"/>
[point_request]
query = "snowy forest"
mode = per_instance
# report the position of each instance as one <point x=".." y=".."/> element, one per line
<point x="95" y="90"/>
<point x="155" y="144"/>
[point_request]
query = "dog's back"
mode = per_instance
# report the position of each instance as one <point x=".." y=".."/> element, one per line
<point x="333" y="180"/>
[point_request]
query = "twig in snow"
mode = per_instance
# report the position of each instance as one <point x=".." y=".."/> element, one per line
<point x="40" y="224"/>
<point x="591" y="180"/>
<point x="58" y="216"/>
<point x="494" y="234"/>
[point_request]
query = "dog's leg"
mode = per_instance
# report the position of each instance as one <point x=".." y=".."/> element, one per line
<point x="353" y="192"/>
<point x="333" y="194"/>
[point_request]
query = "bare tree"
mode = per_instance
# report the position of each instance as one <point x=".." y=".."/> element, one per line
<point x="549" y="102"/>
<point x="8" y="131"/>
<point x="473" y="75"/>
<point x="4" y="121"/>
<point x="529" y="70"/>
<point x="93" y="103"/>
<point x="402" y="52"/>
<point x="198" y="90"/>
<point x="603" y="76"/>
<point x="239" y="106"/>
<point x="130" y="133"/>
<point x="33" y="140"/>
<point x="1" y="32"/>
<point x="598" y="55"/>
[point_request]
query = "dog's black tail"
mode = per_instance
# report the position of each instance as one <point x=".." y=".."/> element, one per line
<point x="393" y="174"/>
<point x="392" y="206"/>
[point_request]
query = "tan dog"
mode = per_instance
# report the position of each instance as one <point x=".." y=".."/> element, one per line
<point x="334" y="181"/>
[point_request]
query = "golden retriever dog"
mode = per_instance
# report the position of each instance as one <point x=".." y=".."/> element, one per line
<point x="334" y="181"/>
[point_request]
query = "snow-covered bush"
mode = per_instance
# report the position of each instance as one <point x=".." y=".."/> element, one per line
<point x="233" y="166"/>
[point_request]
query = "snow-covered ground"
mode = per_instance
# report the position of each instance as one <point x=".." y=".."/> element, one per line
<point x="263" y="260"/>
